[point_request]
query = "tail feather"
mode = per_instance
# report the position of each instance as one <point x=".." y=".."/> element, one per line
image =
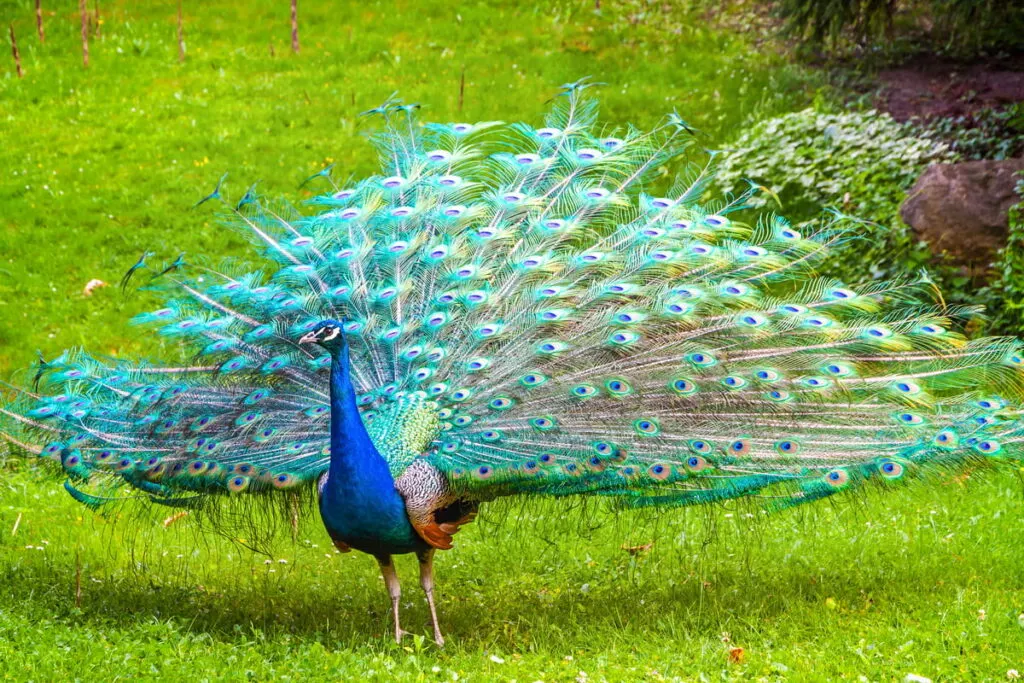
<point x="529" y="316"/>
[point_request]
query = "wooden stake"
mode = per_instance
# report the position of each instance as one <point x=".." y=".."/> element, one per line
<point x="295" y="26"/>
<point x="39" y="21"/>
<point x="85" y="32"/>
<point x="17" y="66"/>
<point x="181" y="35"/>
<point x="462" y="88"/>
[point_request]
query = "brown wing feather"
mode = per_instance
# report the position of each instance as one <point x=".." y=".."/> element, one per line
<point x="434" y="512"/>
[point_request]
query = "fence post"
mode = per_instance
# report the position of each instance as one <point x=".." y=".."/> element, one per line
<point x="39" y="21"/>
<point x="14" y="51"/>
<point x="85" y="32"/>
<point x="295" y="26"/>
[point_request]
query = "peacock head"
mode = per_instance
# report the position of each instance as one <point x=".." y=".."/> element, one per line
<point x="328" y="334"/>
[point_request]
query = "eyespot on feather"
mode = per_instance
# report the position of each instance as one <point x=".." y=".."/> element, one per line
<point x="837" y="478"/>
<point x="739" y="447"/>
<point x="659" y="471"/>
<point x="284" y="480"/>
<point x="890" y="469"/>
<point x="646" y="427"/>
<point x="238" y="484"/>
<point x="696" y="464"/>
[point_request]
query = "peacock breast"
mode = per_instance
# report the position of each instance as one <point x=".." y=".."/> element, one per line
<point x="403" y="428"/>
<point x="367" y="518"/>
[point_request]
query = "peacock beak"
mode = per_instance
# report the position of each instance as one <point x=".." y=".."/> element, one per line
<point x="308" y="338"/>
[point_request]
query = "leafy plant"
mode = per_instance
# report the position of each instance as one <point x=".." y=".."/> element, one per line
<point x="1004" y="297"/>
<point x="821" y="21"/>
<point x="962" y="26"/>
<point x="990" y="133"/>
<point x="861" y="163"/>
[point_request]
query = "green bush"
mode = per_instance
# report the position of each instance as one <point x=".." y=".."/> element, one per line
<point x="990" y="133"/>
<point x="821" y="21"/>
<point x="958" y="26"/>
<point x="860" y="163"/>
<point x="1004" y="297"/>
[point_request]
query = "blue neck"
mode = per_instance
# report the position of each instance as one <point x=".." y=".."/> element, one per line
<point x="355" y="460"/>
<point x="359" y="503"/>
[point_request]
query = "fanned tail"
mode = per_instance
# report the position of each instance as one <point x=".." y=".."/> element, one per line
<point x="525" y="315"/>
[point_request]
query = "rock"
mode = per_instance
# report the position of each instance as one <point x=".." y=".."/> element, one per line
<point x="962" y="208"/>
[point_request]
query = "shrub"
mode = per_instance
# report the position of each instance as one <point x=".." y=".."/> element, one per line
<point x="963" y="26"/>
<point x="861" y="163"/>
<point x="1004" y="297"/>
<point x="990" y="133"/>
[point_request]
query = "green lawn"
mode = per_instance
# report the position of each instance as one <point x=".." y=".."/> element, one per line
<point x="97" y="166"/>
<point x="106" y="162"/>
<point x="925" y="581"/>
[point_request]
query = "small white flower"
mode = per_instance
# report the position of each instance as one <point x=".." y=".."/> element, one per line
<point x="496" y="659"/>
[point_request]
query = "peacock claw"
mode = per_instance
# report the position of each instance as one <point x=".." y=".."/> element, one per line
<point x="399" y="634"/>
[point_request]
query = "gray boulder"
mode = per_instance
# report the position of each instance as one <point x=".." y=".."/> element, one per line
<point x="961" y="209"/>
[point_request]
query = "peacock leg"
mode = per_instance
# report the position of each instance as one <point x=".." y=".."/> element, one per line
<point x="426" y="559"/>
<point x="387" y="568"/>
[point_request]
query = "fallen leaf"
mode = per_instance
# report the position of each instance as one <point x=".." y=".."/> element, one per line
<point x="637" y="549"/>
<point x="91" y="285"/>
<point x="174" y="518"/>
<point x="736" y="655"/>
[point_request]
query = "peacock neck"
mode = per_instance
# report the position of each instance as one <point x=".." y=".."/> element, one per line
<point x="355" y="461"/>
<point x="359" y="503"/>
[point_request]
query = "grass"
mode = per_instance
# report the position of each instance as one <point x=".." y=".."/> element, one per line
<point x="102" y="164"/>
<point x="923" y="581"/>
<point x="108" y="160"/>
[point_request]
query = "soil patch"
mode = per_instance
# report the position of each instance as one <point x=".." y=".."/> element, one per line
<point x="927" y="88"/>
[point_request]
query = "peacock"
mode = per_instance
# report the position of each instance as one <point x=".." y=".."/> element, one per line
<point x="507" y="310"/>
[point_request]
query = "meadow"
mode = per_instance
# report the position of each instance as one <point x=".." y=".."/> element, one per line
<point x="101" y="164"/>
